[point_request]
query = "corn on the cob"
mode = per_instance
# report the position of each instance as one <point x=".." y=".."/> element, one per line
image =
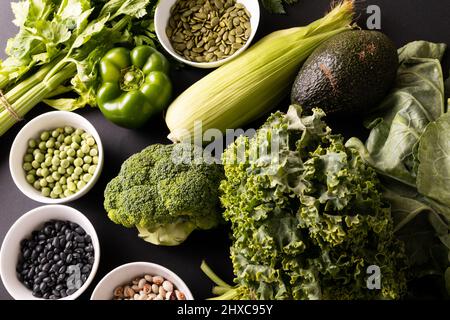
<point x="253" y="83"/>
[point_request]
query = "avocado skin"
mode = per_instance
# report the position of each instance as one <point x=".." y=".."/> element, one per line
<point x="352" y="71"/>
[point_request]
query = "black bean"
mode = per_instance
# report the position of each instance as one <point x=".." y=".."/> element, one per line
<point x="56" y="293"/>
<point x="46" y="295"/>
<point x="46" y="280"/>
<point x="69" y="245"/>
<point x="62" y="269"/>
<point x="55" y="242"/>
<point x="87" y="239"/>
<point x="60" y="263"/>
<point x="58" y="225"/>
<point x="24" y="243"/>
<point x="79" y="238"/>
<point x="84" y="277"/>
<point x="62" y="242"/>
<point x="70" y="291"/>
<point x="27" y="284"/>
<point x="37" y="280"/>
<point x="54" y="268"/>
<point x="37" y="294"/>
<point x="48" y="230"/>
<point x="80" y="231"/>
<point x="42" y="274"/>
<point x="91" y="260"/>
<point x="60" y="277"/>
<point x="69" y="258"/>
<point x="63" y="256"/>
<point x="46" y="267"/>
<point x="49" y="255"/>
<point x="24" y="272"/>
<point x="80" y="245"/>
<point x="34" y="255"/>
<point x="56" y="257"/>
<point x="89" y="248"/>
<point x="73" y="225"/>
<point x="48" y="246"/>
<point x="43" y="286"/>
<point x="30" y="273"/>
<point x="85" y="269"/>
<point x="63" y="294"/>
<point x="27" y="253"/>
<point x="41" y="236"/>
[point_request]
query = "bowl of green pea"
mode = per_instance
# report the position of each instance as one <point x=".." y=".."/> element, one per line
<point x="56" y="157"/>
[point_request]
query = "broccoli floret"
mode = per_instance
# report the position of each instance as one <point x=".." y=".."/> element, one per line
<point x="166" y="196"/>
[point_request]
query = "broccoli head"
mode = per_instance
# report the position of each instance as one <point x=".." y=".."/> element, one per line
<point x="166" y="193"/>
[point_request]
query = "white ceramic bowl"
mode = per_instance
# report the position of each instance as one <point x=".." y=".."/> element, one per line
<point x="22" y="229"/>
<point x="124" y="274"/>
<point x="162" y="15"/>
<point x="32" y="129"/>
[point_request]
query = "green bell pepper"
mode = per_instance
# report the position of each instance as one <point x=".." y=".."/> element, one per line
<point x="135" y="85"/>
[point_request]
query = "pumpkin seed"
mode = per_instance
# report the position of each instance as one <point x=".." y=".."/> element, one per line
<point x="208" y="30"/>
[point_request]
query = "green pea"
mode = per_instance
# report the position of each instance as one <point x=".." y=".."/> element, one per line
<point x="75" y="146"/>
<point x="44" y="172"/>
<point x="71" y="186"/>
<point x="42" y="145"/>
<point x="86" y="167"/>
<point x="49" y="179"/>
<point x="45" y="135"/>
<point x="87" y="159"/>
<point x="93" y="152"/>
<point x="76" y="139"/>
<point x="54" y="168"/>
<point x="79" y="131"/>
<point x="84" y="135"/>
<point x="81" y="185"/>
<point x="43" y="165"/>
<point x="39" y="157"/>
<point x="60" y="138"/>
<point x="27" y="166"/>
<point x="43" y="182"/>
<point x="57" y="145"/>
<point x="92" y="169"/>
<point x="56" y="176"/>
<point x="45" y="192"/>
<point x="39" y="172"/>
<point x="37" y="185"/>
<point x="71" y="159"/>
<point x="32" y="143"/>
<point x="57" y="190"/>
<point x="78" y="162"/>
<point x="36" y="151"/>
<point x="68" y="130"/>
<point x="51" y="185"/>
<point x="50" y="143"/>
<point x="63" y="181"/>
<point x="35" y="164"/>
<point x="87" y="177"/>
<point x="56" y="153"/>
<point x="70" y="170"/>
<point x="78" y="171"/>
<point x="85" y="149"/>
<point x="75" y="177"/>
<point x="53" y="195"/>
<point x="55" y="133"/>
<point x="68" y="193"/>
<point x="61" y="170"/>
<point x="95" y="160"/>
<point x="50" y="151"/>
<point x="90" y="141"/>
<point x="30" y="178"/>
<point x="32" y="171"/>
<point x="63" y="155"/>
<point x="71" y="152"/>
<point x="30" y="151"/>
<point x="80" y="153"/>
<point x="48" y="161"/>
<point x="65" y="163"/>
<point x="55" y="161"/>
<point x="28" y="158"/>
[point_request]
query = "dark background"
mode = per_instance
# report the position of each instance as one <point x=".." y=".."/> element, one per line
<point x="402" y="20"/>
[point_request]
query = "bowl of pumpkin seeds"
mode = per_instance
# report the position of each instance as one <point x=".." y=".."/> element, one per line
<point x="206" y="33"/>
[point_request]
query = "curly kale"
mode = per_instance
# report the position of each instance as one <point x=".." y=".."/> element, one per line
<point x="166" y="193"/>
<point x="307" y="216"/>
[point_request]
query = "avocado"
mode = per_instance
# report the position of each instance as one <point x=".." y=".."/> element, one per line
<point x="352" y="71"/>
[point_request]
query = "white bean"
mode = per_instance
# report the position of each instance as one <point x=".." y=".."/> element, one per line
<point x="168" y="286"/>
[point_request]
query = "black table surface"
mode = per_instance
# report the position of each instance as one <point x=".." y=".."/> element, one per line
<point x="402" y="20"/>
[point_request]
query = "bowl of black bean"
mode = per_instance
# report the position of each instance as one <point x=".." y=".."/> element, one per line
<point x="51" y="252"/>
